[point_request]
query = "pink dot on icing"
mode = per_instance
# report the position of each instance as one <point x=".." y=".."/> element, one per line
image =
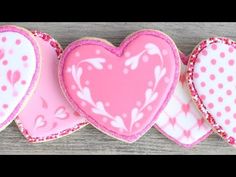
<point x="228" y="92"/>
<point x="210" y="105"/>
<point x="5" y="62"/>
<point x="211" y="91"/>
<point x="198" y="60"/>
<point x="234" y="101"/>
<point x="23" y="82"/>
<point x="235" y="115"/>
<point x="231" y="62"/>
<point x="4" y="39"/>
<point x="203" y="69"/>
<point x="214" y="46"/>
<point x="18" y="41"/>
<point x="213" y="61"/>
<point x="227" y="109"/>
<point x="195" y="75"/>
<point x="218" y="114"/>
<point x="220" y="99"/>
<point x="203" y="84"/>
<point x="230" y="78"/>
<point x="234" y="129"/>
<point x="203" y="97"/>
<point x="222" y="54"/>
<point x="24" y="58"/>
<point x="4" y="88"/>
<point x="5" y="106"/>
<point x="204" y="52"/>
<point x="231" y="49"/>
<point x="227" y="121"/>
<point x="220" y="85"/>
<point x="212" y="77"/>
<point x="221" y="69"/>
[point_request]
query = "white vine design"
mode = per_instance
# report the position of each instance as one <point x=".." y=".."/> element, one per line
<point x="98" y="107"/>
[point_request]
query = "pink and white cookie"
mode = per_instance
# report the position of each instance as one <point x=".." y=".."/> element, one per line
<point x="211" y="78"/>
<point x="48" y="115"/>
<point x="181" y="121"/>
<point x="121" y="90"/>
<point x="20" y="63"/>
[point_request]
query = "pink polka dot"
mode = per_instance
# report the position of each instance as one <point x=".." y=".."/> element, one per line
<point x="198" y="60"/>
<point x="214" y="46"/>
<point x="227" y="109"/>
<point x="203" y="69"/>
<point x="234" y="101"/>
<point x="221" y="69"/>
<point x="212" y="77"/>
<point x="228" y="92"/>
<point x="234" y="129"/>
<point x="203" y="84"/>
<point x="231" y="49"/>
<point x="203" y="97"/>
<point x="213" y="61"/>
<point x="220" y="99"/>
<point x="231" y="62"/>
<point x="195" y="75"/>
<point x="222" y="54"/>
<point x="210" y="105"/>
<point x="227" y="121"/>
<point x="18" y="41"/>
<point x="235" y="115"/>
<point x="204" y="52"/>
<point x="23" y="82"/>
<point x="230" y="78"/>
<point x="211" y="91"/>
<point x="4" y="62"/>
<point x="4" y="88"/>
<point x="4" y="39"/>
<point x="5" y="106"/>
<point x="218" y="114"/>
<point x="220" y="86"/>
<point x="24" y="58"/>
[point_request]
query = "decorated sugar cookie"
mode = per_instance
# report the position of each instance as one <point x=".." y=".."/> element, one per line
<point x="48" y="115"/>
<point x="19" y="71"/>
<point x="211" y="77"/>
<point x="181" y="121"/>
<point x="121" y="90"/>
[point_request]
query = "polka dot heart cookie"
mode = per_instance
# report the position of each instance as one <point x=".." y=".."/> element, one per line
<point x="48" y="115"/>
<point x="121" y="90"/>
<point x="181" y="121"/>
<point x="20" y="63"/>
<point x="211" y="78"/>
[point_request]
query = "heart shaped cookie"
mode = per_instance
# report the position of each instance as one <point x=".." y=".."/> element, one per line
<point x="211" y="77"/>
<point x="121" y="90"/>
<point x="19" y="70"/>
<point x="181" y="121"/>
<point x="48" y="115"/>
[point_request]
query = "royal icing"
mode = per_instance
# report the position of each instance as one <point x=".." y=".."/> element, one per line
<point x="19" y="70"/>
<point x="48" y="115"/>
<point x="181" y="121"/>
<point x="211" y="78"/>
<point x="121" y="90"/>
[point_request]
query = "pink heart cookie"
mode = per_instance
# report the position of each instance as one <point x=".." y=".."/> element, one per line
<point x="121" y="90"/>
<point x="181" y="121"/>
<point x="19" y="70"/>
<point x="48" y="115"/>
<point x="211" y="77"/>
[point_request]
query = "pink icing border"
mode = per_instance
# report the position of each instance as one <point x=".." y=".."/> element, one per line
<point x="184" y="60"/>
<point x="29" y="92"/>
<point x="196" y="98"/>
<point x="118" y="51"/>
<point x="58" y="49"/>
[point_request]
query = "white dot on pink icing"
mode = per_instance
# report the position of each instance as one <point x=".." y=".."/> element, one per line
<point x="68" y="70"/>
<point x="109" y="66"/>
<point x="164" y="52"/>
<point x="98" y="52"/>
<point x="77" y="54"/>
<point x="145" y="58"/>
<point x="127" y="54"/>
<point x="125" y="71"/>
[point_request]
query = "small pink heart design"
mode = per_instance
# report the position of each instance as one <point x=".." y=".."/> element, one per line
<point x="60" y="113"/>
<point x="211" y="78"/>
<point x="172" y="121"/>
<point x="187" y="133"/>
<point x="15" y="77"/>
<point x="39" y="121"/>
<point x="185" y="108"/>
<point x="104" y="82"/>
